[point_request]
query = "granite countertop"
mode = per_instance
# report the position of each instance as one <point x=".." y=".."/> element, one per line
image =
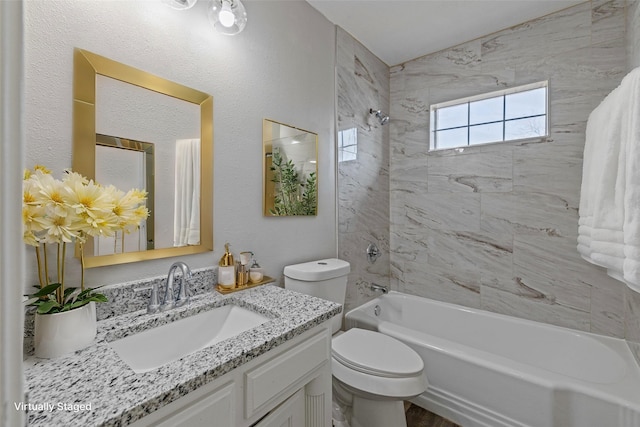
<point x="93" y="387"/>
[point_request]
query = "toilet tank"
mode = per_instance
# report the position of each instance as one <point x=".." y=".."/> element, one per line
<point x="325" y="278"/>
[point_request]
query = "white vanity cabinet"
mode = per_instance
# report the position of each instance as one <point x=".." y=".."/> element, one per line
<point x="289" y="385"/>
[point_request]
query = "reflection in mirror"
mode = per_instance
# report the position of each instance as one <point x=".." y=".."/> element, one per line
<point x="125" y="163"/>
<point x="169" y="123"/>
<point x="116" y="108"/>
<point x="290" y="170"/>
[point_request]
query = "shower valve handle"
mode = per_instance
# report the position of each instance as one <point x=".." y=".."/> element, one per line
<point x="373" y="253"/>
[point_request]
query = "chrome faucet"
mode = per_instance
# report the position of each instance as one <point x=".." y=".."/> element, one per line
<point x="376" y="287"/>
<point x="168" y="301"/>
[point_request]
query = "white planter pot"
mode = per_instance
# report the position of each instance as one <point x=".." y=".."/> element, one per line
<point x="61" y="333"/>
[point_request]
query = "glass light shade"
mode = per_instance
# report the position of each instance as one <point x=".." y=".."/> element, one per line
<point x="225" y="15"/>
<point x="220" y="15"/>
<point x="180" y="4"/>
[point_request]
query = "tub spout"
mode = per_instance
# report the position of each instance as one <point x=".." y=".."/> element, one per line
<point x="376" y="287"/>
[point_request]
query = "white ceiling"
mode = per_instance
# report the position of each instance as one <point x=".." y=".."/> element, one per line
<point x="400" y="30"/>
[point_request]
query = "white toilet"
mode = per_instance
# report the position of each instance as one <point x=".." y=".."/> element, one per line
<point x="372" y="373"/>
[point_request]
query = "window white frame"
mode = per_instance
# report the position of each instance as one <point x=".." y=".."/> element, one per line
<point x="347" y="145"/>
<point x="433" y="127"/>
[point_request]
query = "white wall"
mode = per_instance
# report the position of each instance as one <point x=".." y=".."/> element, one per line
<point x="280" y="67"/>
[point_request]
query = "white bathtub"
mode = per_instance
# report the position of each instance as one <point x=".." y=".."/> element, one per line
<point x="491" y="370"/>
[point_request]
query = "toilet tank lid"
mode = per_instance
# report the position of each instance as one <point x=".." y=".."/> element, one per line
<point x="313" y="271"/>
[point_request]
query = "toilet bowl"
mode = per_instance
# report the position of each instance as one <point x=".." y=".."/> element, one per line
<point x="372" y="373"/>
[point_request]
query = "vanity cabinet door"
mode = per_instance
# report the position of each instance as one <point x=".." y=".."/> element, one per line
<point x="272" y="381"/>
<point x="291" y="413"/>
<point x="210" y="410"/>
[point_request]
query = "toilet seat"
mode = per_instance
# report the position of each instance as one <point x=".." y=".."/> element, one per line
<point x="377" y="366"/>
<point x="377" y="354"/>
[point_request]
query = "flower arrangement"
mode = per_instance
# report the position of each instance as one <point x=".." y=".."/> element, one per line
<point x="58" y="212"/>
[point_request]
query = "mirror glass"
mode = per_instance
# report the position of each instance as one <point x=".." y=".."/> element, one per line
<point x="290" y="170"/>
<point x="126" y="164"/>
<point x="136" y="130"/>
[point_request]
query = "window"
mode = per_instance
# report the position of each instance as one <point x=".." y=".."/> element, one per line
<point x="347" y="144"/>
<point x="506" y="115"/>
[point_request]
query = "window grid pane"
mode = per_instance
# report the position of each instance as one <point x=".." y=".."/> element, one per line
<point x="482" y="134"/>
<point x="525" y="104"/>
<point x="508" y="115"/>
<point x="451" y="117"/>
<point x="486" y="110"/>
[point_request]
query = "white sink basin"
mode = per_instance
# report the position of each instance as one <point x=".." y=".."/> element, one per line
<point x="158" y="346"/>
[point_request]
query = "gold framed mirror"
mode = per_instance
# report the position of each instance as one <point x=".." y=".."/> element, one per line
<point x="106" y="91"/>
<point x="290" y="170"/>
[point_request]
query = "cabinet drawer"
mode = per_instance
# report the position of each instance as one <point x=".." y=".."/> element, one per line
<point x="270" y="381"/>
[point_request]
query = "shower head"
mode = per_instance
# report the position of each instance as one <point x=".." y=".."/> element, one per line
<point x="382" y="118"/>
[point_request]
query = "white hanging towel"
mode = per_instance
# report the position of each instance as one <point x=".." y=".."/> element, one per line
<point x="609" y="222"/>
<point x="186" y="212"/>
<point x="631" y="135"/>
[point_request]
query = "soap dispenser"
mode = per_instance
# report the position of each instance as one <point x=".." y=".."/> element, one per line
<point x="255" y="272"/>
<point x="226" y="270"/>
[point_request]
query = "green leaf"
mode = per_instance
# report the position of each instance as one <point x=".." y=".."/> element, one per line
<point x="49" y="289"/>
<point x="47" y="306"/>
<point x="85" y="292"/>
<point x="67" y="291"/>
<point x="101" y="298"/>
<point x="76" y="304"/>
<point x="98" y="298"/>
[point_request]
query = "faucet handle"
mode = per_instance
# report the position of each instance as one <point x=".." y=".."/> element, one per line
<point x="154" y="302"/>
<point x="381" y="288"/>
<point x="184" y="293"/>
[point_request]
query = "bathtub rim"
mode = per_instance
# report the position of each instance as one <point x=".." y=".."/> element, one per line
<point x="616" y="393"/>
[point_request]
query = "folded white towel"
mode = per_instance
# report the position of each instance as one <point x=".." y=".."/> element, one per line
<point x="609" y="223"/>
<point x="631" y="137"/>
<point x="602" y="192"/>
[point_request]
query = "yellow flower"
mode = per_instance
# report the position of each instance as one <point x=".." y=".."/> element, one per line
<point x="125" y="206"/>
<point x="32" y="217"/>
<point x="41" y="169"/>
<point x="89" y="200"/>
<point x="51" y="194"/>
<point x="135" y="217"/>
<point x="29" y="191"/>
<point x="58" y="229"/>
<point x="56" y="211"/>
<point x="71" y="179"/>
<point x="30" y="238"/>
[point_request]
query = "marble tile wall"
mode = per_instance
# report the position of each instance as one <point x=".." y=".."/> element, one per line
<point x="633" y="33"/>
<point x="363" y="183"/>
<point x="495" y="226"/>
<point x="632" y="299"/>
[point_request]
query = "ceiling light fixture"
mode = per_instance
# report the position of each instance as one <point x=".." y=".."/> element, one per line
<point x="180" y="4"/>
<point x="227" y="16"/>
